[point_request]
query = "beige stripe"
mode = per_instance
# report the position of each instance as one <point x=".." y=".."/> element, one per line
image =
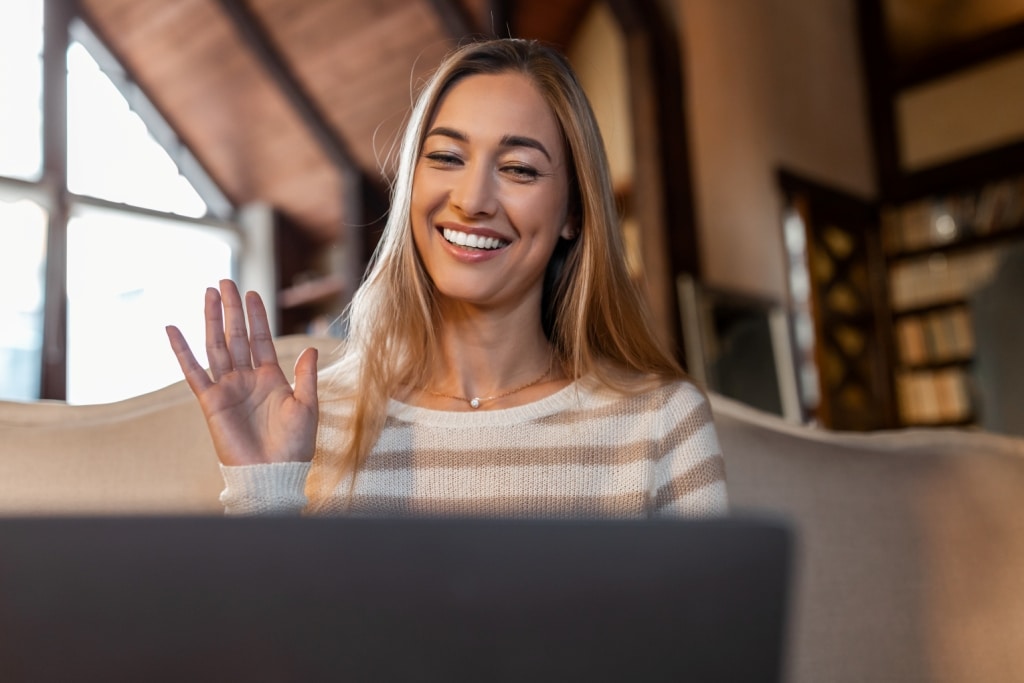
<point x="623" y="505"/>
<point x="707" y="472"/>
<point x="503" y="455"/>
<point x="489" y="482"/>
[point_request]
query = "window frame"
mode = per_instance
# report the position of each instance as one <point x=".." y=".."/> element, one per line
<point x="62" y="25"/>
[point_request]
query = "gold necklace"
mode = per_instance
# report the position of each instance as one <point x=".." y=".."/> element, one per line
<point x="477" y="401"/>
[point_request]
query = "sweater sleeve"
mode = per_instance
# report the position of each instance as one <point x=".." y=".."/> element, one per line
<point x="689" y="478"/>
<point x="270" y="489"/>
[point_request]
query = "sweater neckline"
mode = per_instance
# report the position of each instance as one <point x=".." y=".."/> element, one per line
<point x="571" y="394"/>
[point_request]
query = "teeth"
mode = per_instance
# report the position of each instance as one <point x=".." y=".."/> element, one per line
<point x="472" y="241"/>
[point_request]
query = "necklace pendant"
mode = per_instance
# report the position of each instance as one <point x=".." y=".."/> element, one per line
<point x="474" y="403"/>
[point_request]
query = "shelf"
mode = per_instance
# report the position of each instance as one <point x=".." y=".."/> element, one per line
<point x="963" y="244"/>
<point x="936" y="364"/>
<point x="930" y="308"/>
<point x="959" y="56"/>
<point x="311" y="292"/>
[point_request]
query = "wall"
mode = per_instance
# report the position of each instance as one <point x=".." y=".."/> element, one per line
<point x="972" y="111"/>
<point x="770" y="83"/>
<point x="598" y="55"/>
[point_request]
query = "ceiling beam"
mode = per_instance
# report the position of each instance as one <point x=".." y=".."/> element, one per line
<point x="454" y="17"/>
<point x="259" y="42"/>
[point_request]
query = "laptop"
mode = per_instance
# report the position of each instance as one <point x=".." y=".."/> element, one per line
<point x="197" y="598"/>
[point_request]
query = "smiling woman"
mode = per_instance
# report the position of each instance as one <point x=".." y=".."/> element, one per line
<point x="500" y="361"/>
<point x="489" y="203"/>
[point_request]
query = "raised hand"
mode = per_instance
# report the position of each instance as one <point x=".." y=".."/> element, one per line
<point x="253" y="413"/>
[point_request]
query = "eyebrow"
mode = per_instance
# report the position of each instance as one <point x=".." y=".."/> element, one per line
<point x="506" y="140"/>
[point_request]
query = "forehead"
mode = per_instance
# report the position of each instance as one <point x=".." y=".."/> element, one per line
<point x="488" y="106"/>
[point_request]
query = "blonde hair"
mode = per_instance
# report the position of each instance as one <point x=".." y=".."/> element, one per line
<point x="593" y="314"/>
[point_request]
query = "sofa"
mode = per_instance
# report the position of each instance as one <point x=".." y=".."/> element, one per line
<point x="909" y="554"/>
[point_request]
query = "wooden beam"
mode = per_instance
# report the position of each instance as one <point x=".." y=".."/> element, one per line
<point x="456" y="20"/>
<point x="877" y="61"/>
<point x="259" y="42"/>
<point x="499" y="18"/>
<point x="959" y="56"/>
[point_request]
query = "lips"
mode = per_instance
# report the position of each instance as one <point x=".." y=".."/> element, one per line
<point x="473" y="240"/>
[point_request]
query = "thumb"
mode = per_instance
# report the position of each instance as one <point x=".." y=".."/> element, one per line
<point x="305" y="377"/>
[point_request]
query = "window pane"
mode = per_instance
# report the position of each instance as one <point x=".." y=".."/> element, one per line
<point x="21" y="78"/>
<point x="22" y="264"/>
<point x="111" y="154"/>
<point x="128" y="277"/>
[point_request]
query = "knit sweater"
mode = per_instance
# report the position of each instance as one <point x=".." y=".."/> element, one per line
<point x="584" y="452"/>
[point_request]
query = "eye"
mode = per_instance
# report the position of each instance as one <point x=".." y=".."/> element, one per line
<point x="443" y="159"/>
<point x="520" y="172"/>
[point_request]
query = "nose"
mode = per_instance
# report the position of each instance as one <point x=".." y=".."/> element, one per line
<point x="474" y="194"/>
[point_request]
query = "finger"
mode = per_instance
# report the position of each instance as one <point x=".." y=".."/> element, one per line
<point x="237" y="336"/>
<point x="196" y="377"/>
<point x="216" y="348"/>
<point x="260" y="337"/>
<point x="305" y="378"/>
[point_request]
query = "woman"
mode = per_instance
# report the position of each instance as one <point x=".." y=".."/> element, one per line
<point x="499" y="360"/>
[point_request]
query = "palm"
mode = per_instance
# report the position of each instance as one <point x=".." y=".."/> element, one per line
<point x="253" y="414"/>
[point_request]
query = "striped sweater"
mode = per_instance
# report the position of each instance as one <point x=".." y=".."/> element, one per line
<point x="582" y="452"/>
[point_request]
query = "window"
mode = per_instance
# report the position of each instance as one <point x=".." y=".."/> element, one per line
<point x="111" y="153"/>
<point x="141" y="245"/>
<point x="22" y="259"/>
<point x="119" y="301"/>
<point x="21" y="82"/>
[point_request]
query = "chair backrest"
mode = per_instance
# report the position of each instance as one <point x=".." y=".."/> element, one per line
<point x="147" y="454"/>
<point x="911" y="547"/>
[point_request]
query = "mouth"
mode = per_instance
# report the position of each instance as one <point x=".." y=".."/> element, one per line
<point x="471" y="241"/>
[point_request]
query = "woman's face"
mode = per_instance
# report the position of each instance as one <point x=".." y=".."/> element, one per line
<point x="490" y="192"/>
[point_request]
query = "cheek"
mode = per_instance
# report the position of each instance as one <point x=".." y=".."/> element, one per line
<point x="416" y="196"/>
<point x="420" y="203"/>
<point x="429" y="193"/>
<point x="552" y="212"/>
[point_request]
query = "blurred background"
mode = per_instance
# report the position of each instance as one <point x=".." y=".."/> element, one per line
<point x="822" y="199"/>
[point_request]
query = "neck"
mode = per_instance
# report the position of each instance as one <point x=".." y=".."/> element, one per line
<point x="488" y="355"/>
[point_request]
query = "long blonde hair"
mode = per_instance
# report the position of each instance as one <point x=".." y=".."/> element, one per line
<point x="593" y="314"/>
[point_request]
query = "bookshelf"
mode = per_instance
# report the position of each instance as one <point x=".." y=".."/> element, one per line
<point x="949" y="150"/>
<point x="894" y="292"/>
<point x="941" y="250"/>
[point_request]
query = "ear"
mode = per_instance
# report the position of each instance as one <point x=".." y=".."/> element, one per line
<point x="569" y="229"/>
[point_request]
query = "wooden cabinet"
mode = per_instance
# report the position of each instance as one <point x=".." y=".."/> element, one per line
<point x="839" y="306"/>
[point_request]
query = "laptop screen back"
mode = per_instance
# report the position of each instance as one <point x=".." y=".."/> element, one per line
<point x="276" y="599"/>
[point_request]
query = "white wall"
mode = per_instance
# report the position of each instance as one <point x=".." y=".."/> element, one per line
<point x="769" y="83"/>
